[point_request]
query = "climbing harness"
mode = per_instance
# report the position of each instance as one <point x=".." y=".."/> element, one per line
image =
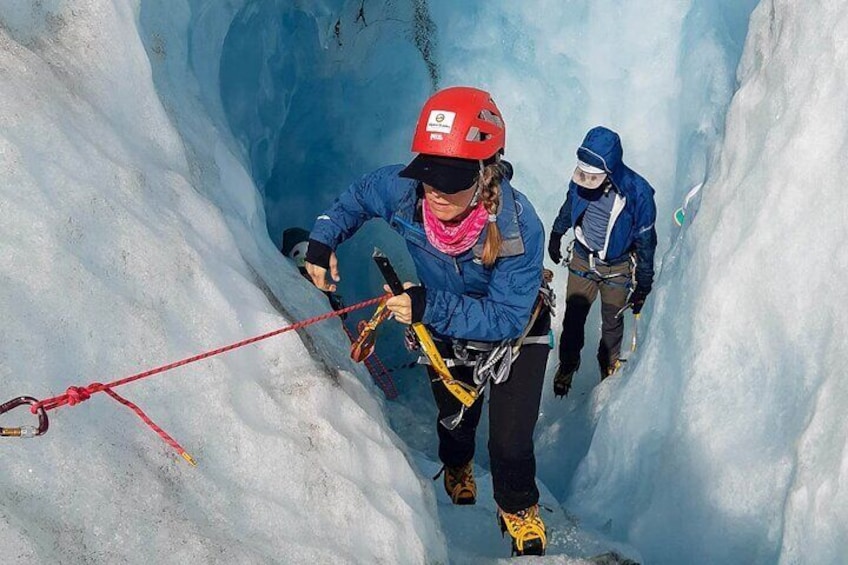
<point x="75" y="395"/>
<point x="492" y="361"/>
<point x="593" y="274"/>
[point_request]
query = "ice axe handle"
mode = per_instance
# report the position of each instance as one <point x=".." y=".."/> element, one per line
<point x="388" y="272"/>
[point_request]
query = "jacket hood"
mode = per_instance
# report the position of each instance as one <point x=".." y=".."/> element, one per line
<point x="601" y="148"/>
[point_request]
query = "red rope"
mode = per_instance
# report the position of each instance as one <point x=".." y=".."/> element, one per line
<point x="76" y="395"/>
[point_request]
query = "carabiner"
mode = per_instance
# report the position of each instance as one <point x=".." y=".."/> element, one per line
<point x="363" y="346"/>
<point x="25" y="432"/>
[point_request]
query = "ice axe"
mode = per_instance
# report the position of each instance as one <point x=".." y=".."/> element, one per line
<point x="466" y="394"/>
<point x="634" y="333"/>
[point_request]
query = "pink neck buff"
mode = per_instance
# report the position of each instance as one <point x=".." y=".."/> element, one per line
<point x="456" y="239"/>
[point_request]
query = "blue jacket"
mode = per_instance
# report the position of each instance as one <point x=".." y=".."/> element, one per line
<point x="465" y="300"/>
<point x="633" y="228"/>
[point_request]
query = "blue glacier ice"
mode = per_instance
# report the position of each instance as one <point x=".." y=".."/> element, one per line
<point x="152" y="152"/>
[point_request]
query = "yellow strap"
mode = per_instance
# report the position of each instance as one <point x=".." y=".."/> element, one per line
<point x="465" y="395"/>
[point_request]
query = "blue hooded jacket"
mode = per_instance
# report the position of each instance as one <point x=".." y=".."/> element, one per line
<point x="634" y="229"/>
<point x="465" y="299"/>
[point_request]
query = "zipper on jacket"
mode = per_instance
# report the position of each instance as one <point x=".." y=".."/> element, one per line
<point x="409" y="225"/>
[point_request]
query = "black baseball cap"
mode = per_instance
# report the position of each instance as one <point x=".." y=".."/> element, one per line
<point x="446" y="174"/>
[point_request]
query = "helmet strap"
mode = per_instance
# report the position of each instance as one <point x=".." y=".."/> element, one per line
<point x="476" y="198"/>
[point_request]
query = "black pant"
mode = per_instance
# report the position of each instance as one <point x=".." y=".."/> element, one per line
<point x="513" y="412"/>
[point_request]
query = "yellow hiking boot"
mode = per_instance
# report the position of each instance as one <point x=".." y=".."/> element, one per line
<point x="526" y="529"/>
<point x="459" y="483"/>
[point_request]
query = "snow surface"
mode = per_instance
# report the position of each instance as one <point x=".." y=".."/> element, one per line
<point x="143" y="142"/>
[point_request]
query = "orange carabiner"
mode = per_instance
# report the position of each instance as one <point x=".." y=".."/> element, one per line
<point x="363" y="347"/>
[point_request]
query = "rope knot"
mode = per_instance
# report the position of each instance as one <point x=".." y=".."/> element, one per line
<point x="76" y="395"/>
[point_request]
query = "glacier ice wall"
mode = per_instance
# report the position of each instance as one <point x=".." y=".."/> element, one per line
<point x="132" y="235"/>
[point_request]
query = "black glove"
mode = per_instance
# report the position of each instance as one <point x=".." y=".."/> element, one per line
<point x="418" y="297"/>
<point x="637" y="300"/>
<point x="554" y="245"/>
<point x="318" y="253"/>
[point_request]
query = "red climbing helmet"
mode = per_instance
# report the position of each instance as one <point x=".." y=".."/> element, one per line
<point x="460" y="122"/>
<point x="459" y="129"/>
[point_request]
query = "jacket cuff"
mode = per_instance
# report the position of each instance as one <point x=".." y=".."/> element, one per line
<point x="318" y="253"/>
<point x="418" y="296"/>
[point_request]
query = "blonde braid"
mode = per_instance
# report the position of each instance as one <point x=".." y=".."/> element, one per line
<point x="490" y="195"/>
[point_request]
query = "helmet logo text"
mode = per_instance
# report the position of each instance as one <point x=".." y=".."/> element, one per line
<point x="440" y="121"/>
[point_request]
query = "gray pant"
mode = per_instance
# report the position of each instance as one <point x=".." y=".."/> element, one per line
<point x="583" y="287"/>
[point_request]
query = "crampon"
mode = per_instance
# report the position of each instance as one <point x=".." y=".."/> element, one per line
<point x="526" y="529"/>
